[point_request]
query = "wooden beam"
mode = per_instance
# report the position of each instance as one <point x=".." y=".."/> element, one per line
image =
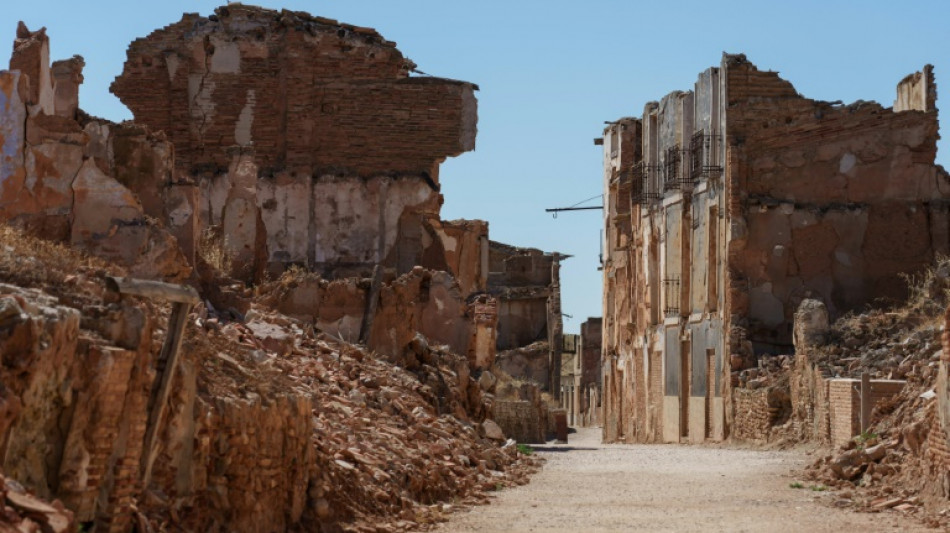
<point x="865" y="402"/>
<point x="165" y="367"/>
<point x="372" y="303"/>
<point x="155" y="290"/>
<point x="183" y="298"/>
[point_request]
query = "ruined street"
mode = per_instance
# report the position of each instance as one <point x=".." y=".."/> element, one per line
<point x="244" y="289"/>
<point x="588" y="486"/>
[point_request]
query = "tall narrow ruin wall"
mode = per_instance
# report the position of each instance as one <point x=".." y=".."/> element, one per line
<point x="590" y="357"/>
<point x="522" y="279"/>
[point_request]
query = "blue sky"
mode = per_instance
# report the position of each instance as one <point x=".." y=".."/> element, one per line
<point x="551" y="72"/>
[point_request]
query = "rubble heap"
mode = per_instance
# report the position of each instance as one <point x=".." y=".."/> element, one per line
<point x="272" y="424"/>
<point x="902" y="461"/>
<point x="22" y="511"/>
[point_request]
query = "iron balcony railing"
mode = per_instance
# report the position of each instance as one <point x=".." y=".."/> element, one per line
<point x="644" y="182"/>
<point x="671" y="296"/>
<point x="675" y="176"/>
<point x="704" y="156"/>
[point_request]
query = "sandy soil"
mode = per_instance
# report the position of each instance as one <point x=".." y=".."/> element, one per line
<point x="589" y="487"/>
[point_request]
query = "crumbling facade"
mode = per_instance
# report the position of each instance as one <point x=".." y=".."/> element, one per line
<point x="62" y="172"/>
<point x="217" y="162"/>
<point x="526" y="283"/>
<point x="725" y="207"/>
<point x="325" y="157"/>
<point x="585" y="408"/>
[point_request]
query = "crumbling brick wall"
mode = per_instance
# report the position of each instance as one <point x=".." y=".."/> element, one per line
<point x="421" y="301"/>
<point x="588" y="374"/>
<point x="836" y="201"/>
<point x="342" y="101"/>
<point x="75" y="400"/>
<point x="844" y="400"/>
<point x="940" y="433"/>
<point x="308" y="140"/>
<point x="753" y="415"/>
<point x="938" y="456"/>
<point x="70" y="178"/>
<point x="521" y="279"/>
<point x="521" y="420"/>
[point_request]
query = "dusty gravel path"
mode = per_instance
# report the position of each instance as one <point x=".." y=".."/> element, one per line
<point x="589" y="487"/>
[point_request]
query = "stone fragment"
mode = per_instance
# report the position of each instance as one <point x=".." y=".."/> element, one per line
<point x="876" y="453"/>
<point x="487" y="381"/>
<point x="274" y="338"/>
<point x="491" y="430"/>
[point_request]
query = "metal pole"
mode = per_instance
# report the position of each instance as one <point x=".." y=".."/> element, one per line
<point x="865" y="401"/>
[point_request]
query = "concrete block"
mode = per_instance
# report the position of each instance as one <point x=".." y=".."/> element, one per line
<point x="671" y="419"/>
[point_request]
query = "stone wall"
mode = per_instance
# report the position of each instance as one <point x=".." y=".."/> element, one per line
<point x="420" y="302"/>
<point x="74" y="404"/>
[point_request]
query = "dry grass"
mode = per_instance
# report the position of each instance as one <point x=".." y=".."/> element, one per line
<point x="928" y="291"/>
<point x="212" y="249"/>
<point x="28" y="261"/>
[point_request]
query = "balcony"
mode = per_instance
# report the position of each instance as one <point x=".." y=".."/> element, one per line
<point x="671" y="296"/>
<point x="675" y="177"/>
<point x="643" y="180"/>
<point x="704" y="159"/>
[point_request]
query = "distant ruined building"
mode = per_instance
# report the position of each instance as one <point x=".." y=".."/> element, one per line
<point x="725" y="207"/>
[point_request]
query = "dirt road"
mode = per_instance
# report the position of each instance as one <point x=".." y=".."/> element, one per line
<point x="589" y="487"/>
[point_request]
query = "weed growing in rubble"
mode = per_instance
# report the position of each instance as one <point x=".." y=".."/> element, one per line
<point x="928" y="292"/>
<point x="525" y="449"/>
<point x="796" y="485"/>
<point x="865" y="436"/>
<point x="818" y="488"/>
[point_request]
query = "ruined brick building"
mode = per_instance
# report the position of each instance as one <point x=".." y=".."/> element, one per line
<point x="585" y="404"/>
<point x="526" y="283"/>
<point x="308" y="141"/>
<point x="279" y="140"/>
<point x="725" y="207"/>
<point x="292" y="140"/>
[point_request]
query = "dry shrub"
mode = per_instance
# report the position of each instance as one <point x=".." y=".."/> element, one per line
<point x="928" y="292"/>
